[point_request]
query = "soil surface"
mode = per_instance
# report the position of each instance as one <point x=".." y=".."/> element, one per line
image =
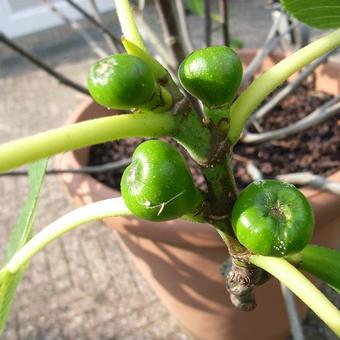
<point x="316" y="149"/>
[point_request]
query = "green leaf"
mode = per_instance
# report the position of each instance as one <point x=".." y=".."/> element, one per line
<point x="195" y="6"/>
<point x="23" y="228"/>
<point x="322" y="262"/>
<point x="322" y="14"/>
<point x="8" y="286"/>
<point x="21" y="234"/>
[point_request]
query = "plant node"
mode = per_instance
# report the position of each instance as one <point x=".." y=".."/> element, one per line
<point x="241" y="281"/>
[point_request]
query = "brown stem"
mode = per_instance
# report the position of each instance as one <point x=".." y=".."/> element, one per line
<point x="222" y="194"/>
<point x="97" y="16"/>
<point x="75" y="26"/>
<point x="322" y="113"/>
<point x="62" y="79"/>
<point x="287" y="90"/>
<point x="167" y="16"/>
<point x="182" y="18"/>
<point x="311" y="180"/>
<point x="222" y="190"/>
<point x="241" y="281"/>
<point x="225" y="21"/>
<point x="167" y="58"/>
<point x="207" y="23"/>
<point x="89" y="17"/>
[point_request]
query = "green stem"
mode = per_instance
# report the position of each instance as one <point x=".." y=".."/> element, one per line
<point x="29" y="149"/>
<point x="157" y="69"/>
<point x="193" y="136"/>
<point x="302" y="287"/>
<point x="235" y="248"/>
<point x="260" y="88"/>
<point x="216" y="114"/>
<point x="222" y="191"/>
<point x="322" y="262"/>
<point x="128" y="24"/>
<point x="108" y="208"/>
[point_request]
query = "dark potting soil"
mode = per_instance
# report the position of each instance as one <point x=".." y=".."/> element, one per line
<point x="316" y="149"/>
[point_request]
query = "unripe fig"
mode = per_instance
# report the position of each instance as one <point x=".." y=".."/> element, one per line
<point x="212" y="74"/>
<point x="121" y="81"/>
<point x="272" y="218"/>
<point x="158" y="185"/>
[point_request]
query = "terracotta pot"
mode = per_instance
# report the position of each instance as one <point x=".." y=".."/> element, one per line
<point x="181" y="260"/>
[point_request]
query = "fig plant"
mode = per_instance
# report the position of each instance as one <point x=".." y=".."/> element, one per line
<point x="268" y="225"/>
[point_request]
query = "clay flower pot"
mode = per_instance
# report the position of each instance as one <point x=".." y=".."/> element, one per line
<point x="181" y="260"/>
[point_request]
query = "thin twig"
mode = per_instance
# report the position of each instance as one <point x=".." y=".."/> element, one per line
<point x="240" y="158"/>
<point x="96" y="15"/>
<point x="295" y="326"/>
<point x="165" y="30"/>
<point x="149" y="34"/>
<point x="183" y="23"/>
<point x="91" y="169"/>
<point x="317" y="116"/>
<point x="300" y="38"/>
<point x="253" y="171"/>
<point x="247" y="102"/>
<point x="62" y="79"/>
<point x="167" y="17"/>
<point x="207" y="23"/>
<point x="172" y="36"/>
<point x="314" y="181"/>
<point x="75" y="26"/>
<point x="95" y="22"/>
<point x="224" y="13"/>
<point x="259" y="114"/>
<point x="257" y="126"/>
<point x="272" y="40"/>
<point x="141" y="5"/>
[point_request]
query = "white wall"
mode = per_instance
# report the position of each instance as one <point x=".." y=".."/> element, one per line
<point x="17" y="18"/>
